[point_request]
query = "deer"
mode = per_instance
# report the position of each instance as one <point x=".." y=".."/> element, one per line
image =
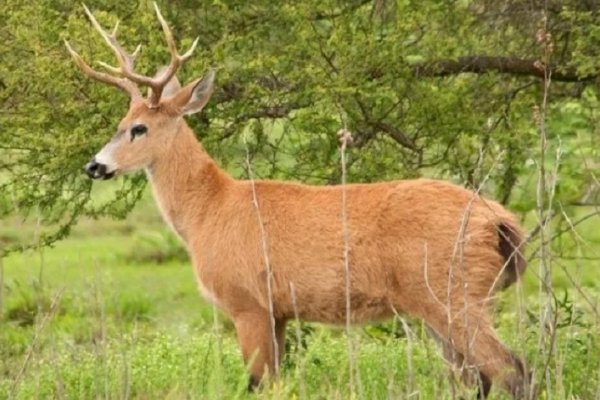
<point x="267" y="252"/>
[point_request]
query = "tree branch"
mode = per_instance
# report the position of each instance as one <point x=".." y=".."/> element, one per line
<point x="271" y="112"/>
<point x="503" y="65"/>
<point x="397" y="135"/>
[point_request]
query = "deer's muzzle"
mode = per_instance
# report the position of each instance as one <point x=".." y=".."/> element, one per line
<point x="95" y="170"/>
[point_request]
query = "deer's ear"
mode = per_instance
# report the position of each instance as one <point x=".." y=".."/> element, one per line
<point x="193" y="97"/>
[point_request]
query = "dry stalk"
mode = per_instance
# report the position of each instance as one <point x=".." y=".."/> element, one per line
<point x="458" y="252"/>
<point x="577" y="286"/>
<point x="409" y="353"/>
<point x="345" y="138"/>
<point x="547" y="320"/>
<point x="578" y="237"/>
<point x="266" y="258"/>
<point x="560" y="232"/>
<point x="426" y="276"/>
<point x="36" y="337"/>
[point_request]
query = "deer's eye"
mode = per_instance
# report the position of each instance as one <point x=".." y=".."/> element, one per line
<point x="138" y="130"/>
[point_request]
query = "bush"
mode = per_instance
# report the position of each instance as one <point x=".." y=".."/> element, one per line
<point x="156" y="248"/>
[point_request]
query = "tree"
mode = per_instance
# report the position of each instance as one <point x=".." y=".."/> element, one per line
<point x="444" y="89"/>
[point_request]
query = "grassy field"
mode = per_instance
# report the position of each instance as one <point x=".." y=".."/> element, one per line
<point x="114" y="312"/>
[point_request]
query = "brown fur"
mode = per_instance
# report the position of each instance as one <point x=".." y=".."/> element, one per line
<point x="425" y="248"/>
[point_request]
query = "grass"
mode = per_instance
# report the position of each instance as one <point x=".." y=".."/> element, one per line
<point x="114" y="312"/>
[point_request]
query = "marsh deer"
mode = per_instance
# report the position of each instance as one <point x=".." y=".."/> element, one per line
<point x="265" y="252"/>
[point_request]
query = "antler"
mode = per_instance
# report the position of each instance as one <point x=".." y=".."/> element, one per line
<point x="157" y="84"/>
<point x="121" y="83"/>
<point x="129" y="78"/>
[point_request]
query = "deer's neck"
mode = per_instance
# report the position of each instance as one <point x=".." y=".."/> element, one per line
<point x="186" y="182"/>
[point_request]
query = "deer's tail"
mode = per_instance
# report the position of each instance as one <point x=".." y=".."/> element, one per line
<point x="511" y="241"/>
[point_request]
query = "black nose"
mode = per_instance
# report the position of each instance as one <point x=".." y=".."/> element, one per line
<point x="95" y="170"/>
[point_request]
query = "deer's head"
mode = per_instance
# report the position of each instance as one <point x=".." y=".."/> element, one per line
<point x="151" y="122"/>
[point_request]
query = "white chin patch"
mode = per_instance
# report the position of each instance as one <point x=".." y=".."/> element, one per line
<point x="105" y="157"/>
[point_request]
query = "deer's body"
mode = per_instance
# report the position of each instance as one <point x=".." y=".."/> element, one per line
<point x="266" y="252"/>
<point x="405" y="240"/>
<point x="393" y="230"/>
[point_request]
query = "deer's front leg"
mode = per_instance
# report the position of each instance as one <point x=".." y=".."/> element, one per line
<point x="255" y="336"/>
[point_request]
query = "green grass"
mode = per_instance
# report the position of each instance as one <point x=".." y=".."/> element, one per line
<point x="114" y="312"/>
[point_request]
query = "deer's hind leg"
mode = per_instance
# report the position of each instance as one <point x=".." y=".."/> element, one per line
<point x="470" y="338"/>
<point x="470" y="376"/>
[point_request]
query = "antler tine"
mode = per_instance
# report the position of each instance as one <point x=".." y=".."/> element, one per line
<point x="177" y="60"/>
<point x="171" y="41"/>
<point x="126" y="60"/>
<point x="123" y="84"/>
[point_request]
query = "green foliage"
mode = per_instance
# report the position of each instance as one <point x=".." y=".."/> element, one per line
<point x="289" y="75"/>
